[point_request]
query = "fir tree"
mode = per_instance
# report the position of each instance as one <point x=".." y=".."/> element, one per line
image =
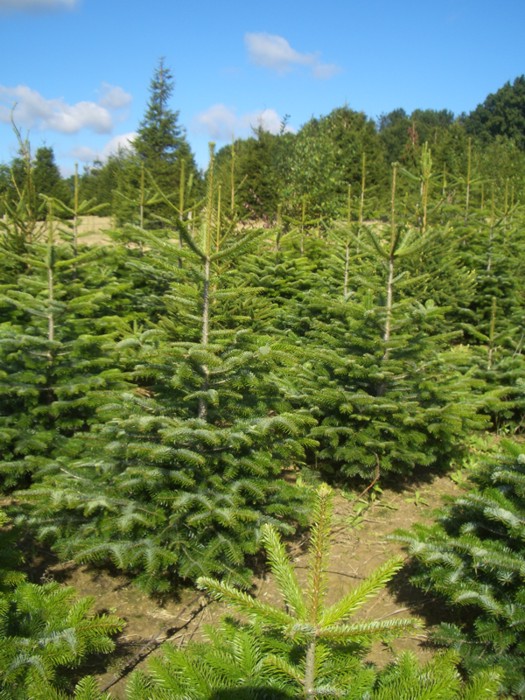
<point x="472" y="559"/>
<point x="302" y="648"/>
<point x="317" y="632"/>
<point x="23" y="211"/>
<point x="382" y="372"/>
<point x="178" y="476"/>
<point x="46" y="634"/>
<point x="56" y="360"/>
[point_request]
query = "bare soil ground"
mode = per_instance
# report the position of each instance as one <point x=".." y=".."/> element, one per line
<point x="359" y="545"/>
<point x="93" y="229"/>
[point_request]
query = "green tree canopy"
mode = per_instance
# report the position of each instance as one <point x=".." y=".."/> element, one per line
<point x="403" y="134"/>
<point x="326" y="158"/>
<point x="249" y="175"/>
<point x="46" y="175"/>
<point x="501" y="114"/>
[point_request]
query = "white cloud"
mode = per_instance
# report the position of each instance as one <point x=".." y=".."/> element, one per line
<point x="224" y="124"/>
<point x="266" y="119"/>
<point x="324" y="71"/>
<point x="274" y="52"/>
<point x="114" y="97"/>
<point x="219" y="122"/>
<point x="69" y="119"/>
<point x="30" y="109"/>
<point x="37" y="5"/>
<point x="86" y="154"/>
<point x="121" y="142"/>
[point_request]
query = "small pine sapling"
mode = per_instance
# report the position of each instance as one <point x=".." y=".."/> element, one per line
<point x="315" y="630"/>
<point x="303" y="648"/>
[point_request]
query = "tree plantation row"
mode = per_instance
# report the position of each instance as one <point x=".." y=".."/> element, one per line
<point x="169" y="401"/>
<point x="161" y="393"/>
<point x="312" y="175"/>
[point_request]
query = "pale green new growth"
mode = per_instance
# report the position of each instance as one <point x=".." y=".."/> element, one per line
<point x="306" y="619"/>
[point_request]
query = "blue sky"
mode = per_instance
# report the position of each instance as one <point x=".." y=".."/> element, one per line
<point x="79" y="70"/>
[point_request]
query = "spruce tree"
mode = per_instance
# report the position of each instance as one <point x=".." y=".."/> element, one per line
<point x="46" y="175"/>
<point x="159" y="135"/>
<point x="247" y="172"/>
<point x="161" y="143"/>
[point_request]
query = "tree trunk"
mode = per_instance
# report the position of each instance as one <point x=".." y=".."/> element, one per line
<point x="309" y="671"/>
<point x="205" y="333"/>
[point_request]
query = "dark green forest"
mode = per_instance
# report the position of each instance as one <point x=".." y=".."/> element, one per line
<point x="339" y="306"/>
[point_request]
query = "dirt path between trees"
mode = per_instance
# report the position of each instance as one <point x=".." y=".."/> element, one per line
<point x="359" y="546"/>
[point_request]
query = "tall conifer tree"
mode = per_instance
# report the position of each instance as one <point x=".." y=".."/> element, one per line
<point x="161" y="143"/>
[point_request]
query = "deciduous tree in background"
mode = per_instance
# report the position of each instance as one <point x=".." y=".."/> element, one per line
<point x="501" y="114"/>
